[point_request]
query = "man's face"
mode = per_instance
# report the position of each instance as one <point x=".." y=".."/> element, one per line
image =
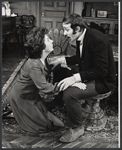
<point x="68" y="31"/>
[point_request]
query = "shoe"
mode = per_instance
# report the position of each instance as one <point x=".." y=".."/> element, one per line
<point x="72" y="134"/>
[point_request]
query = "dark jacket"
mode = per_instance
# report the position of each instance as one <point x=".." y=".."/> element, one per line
<point x="97" y="61"/>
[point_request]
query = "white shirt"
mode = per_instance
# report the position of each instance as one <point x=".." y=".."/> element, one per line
<point x="81" y="41"/>
<point x="77" y="75"/>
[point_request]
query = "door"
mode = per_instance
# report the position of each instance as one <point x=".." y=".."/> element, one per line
<point x="52" y="13"/>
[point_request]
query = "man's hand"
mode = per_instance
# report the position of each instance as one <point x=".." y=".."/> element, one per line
<point x="65" y="83"/>
<point x="56" y="60"/>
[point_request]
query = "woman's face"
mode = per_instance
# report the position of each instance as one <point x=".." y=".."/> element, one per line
<point x="49" y="44"/>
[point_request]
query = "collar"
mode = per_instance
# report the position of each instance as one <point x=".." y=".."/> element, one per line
<point x="42" y="61"/>
<point x="82" y="36"/>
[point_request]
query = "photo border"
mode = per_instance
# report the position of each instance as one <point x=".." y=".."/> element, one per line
<point x="120" y="56"/>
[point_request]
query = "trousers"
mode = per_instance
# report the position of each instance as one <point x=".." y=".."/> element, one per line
<point x="72" y="96"/>
<point x="72" y="100"/>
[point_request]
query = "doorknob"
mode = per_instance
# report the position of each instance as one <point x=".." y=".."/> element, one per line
<point x="42" y="14"/>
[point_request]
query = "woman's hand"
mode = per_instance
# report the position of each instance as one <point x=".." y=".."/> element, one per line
<point x="56" y="60"/>
<point x="65" y="83"/>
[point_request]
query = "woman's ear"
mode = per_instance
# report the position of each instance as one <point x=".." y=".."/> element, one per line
<point x="77" y="29"/>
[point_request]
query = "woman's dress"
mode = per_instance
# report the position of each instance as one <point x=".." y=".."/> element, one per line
<point x="31" y="113"/>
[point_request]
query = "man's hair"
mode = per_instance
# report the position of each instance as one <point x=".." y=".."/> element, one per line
<point x="34" y="44"/>
<point x="75" y="20"/>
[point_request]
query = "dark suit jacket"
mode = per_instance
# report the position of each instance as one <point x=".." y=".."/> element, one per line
<point x="97" y="61"/>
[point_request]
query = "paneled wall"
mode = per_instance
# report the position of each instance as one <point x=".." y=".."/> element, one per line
<point x="32" y="8"/>
<point x="27" y="8"/>
<point x="78" y="7"/>
<point x="20" y="8"/>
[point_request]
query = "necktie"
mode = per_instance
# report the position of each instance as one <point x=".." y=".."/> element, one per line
<point x="78" y="49"/>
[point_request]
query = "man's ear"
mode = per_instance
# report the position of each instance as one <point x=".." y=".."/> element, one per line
<point x="77" y="29"/>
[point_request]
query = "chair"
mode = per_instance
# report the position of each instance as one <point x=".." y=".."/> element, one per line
<point x="96" y="118"/>
<point x="27" y="23"/>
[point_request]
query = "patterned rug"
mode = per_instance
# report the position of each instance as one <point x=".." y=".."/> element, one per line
<point x="108" y="134"/>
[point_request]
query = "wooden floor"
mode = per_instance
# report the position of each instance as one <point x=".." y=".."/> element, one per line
<point x="16" y="141"/>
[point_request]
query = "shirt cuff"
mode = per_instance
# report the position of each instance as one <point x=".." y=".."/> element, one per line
<point x="77" y="77"/>
<point x="64" y="61"/>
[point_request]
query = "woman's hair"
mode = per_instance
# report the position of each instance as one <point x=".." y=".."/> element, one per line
<point x="75" y="20"/>
<point x="34" y="44"/>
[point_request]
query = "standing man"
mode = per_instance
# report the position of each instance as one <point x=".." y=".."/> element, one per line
<point x="96" y="74"/>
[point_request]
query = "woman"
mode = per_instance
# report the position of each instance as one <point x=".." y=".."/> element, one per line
<point x="25" y="96"/>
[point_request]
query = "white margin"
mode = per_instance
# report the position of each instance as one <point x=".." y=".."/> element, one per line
<point x="119" y="76"/>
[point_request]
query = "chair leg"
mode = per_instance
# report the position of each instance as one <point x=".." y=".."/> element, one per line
<point x="97" y="118"/>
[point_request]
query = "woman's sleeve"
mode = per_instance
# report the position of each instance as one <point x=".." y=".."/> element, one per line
<point x="39" y="80"/>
